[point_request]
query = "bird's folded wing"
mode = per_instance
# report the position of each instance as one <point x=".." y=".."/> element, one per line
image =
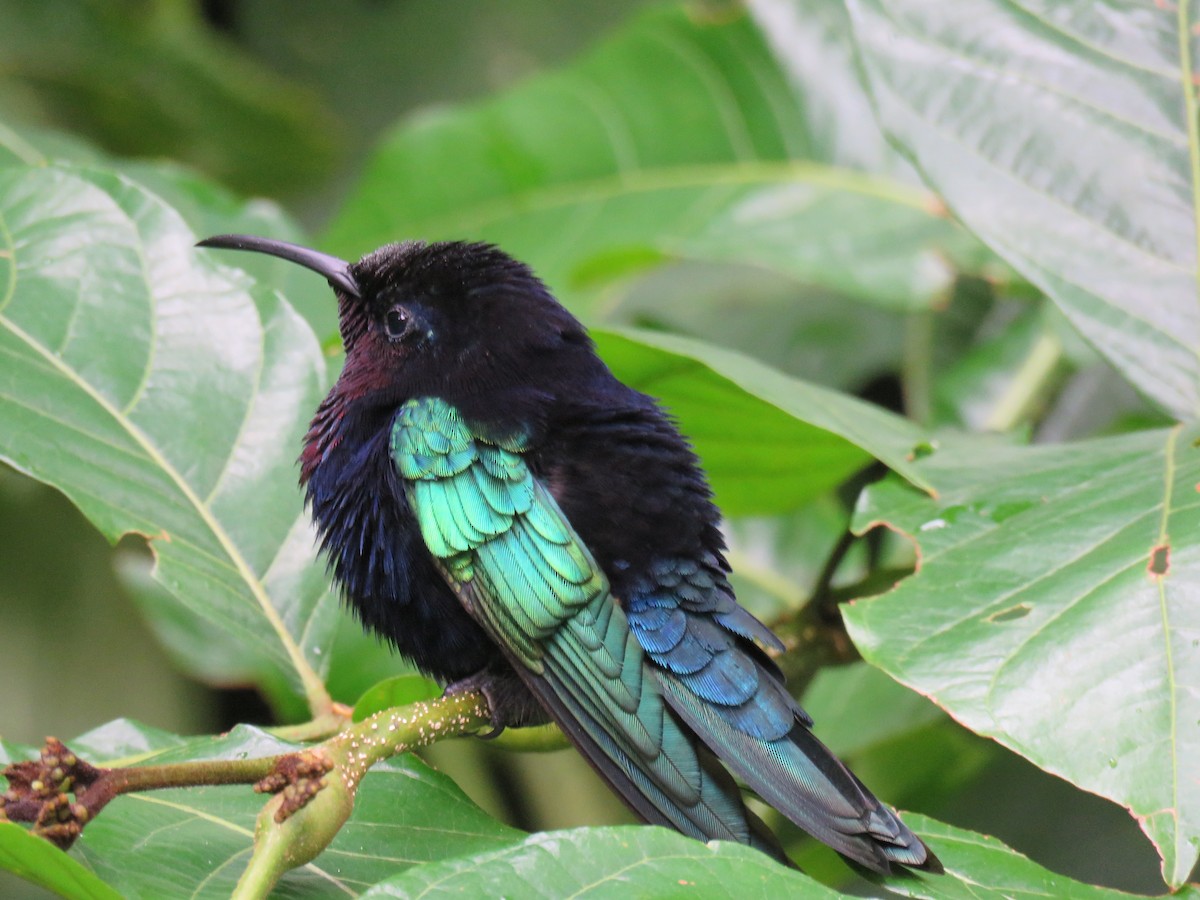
<point x="699" y="644"/>
<point x="517" y="565"/>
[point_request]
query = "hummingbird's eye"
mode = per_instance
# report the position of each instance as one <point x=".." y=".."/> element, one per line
<point x="396" y="323"/>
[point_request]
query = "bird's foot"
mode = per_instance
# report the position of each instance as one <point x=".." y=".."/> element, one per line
<point x="481" y="683"/>
<point x="510" y="704"/>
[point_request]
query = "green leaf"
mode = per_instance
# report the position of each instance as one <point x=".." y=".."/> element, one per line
<point x="980" y="867"/>
<point x="210" y="209"/>
<point x="808" y="332"/>
<point x="1056" y="609"/>
<point x="1065" y="135"/>
<point x="207" y="208"/>
<point x="164" y="397"/>
<point x="36" y="147"/>
<point x="812" y="41"/>
<point x="675" y="139"/>
<point x="399" y="690"/>
<point x="196" y="841"/>
<point x="607" y="862"/>
<point x="150" y="79"/>
<point x="349" y="659"/>
<point x="855" y="706"/>
<point x="767" y="441"/>
<point x="776" y="559"/>
<point x="38" y="861"/>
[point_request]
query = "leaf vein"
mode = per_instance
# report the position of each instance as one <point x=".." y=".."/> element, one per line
<point x="316" y="694"/>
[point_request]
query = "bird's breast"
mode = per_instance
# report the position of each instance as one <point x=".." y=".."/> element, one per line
<point x="377" y="556"/>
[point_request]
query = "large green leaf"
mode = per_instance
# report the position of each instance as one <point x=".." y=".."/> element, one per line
<point x="1057" y="609"/>
<point x="620" y="862"/>
<point x="207" y="208"/>
<point x="40" y="862"/>
<point x="980" y="868"/>
<point x="196" y="841"/>
<point x="196" y="636"/>
<point x="676" y="139"/>
<point x="767" y="441"/>
<point x="166" y="397"/>
<point x="809" y="332"/>
<point x="1065" y="135"/>
<point x="813" y="43"/>
<point x="210" y="209"/>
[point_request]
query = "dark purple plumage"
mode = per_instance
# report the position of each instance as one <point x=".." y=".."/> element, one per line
<point x="465" y="328"/>
<point x="463" y="293"/>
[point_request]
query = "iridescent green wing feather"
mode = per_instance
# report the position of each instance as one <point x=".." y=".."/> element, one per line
<point x="505" y="547"/>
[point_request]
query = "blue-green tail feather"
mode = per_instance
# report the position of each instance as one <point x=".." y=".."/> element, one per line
<point x="733" y="698"/>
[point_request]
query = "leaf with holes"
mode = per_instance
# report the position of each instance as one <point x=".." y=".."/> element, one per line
<point x="195" y="842"/>
<point x="167" y="397"/>
<point x="676" y="139"/>
<point x="1057" y="609"/>
<point x="1066" y="136"/>
<point x="195" y="631"/>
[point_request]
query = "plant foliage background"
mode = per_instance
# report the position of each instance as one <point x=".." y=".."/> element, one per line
<point x="960" y="239"/>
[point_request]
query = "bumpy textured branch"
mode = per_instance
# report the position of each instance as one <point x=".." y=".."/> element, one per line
<point x="307" y="812"/>
<point x="314" y="788"/>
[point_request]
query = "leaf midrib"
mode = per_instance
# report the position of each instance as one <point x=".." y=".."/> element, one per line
<point x="231" y="826"/>
<point x="1164" y="608"/>
<point x="1190" y="112"/>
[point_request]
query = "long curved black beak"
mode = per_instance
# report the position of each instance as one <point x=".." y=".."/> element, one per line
<point x="336" y="271"/>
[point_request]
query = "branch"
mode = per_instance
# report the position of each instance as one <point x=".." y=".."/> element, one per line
<point x="38" y="789"/>
<point x="1030" y="384"/>
<point x="314" y="788"/>
<point x="305" y="815"/>
<point x="815" y="636"/>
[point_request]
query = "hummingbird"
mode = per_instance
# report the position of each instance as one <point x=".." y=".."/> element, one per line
<point x="516" y="521"/>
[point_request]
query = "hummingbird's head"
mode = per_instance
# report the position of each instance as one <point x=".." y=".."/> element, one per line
<point x="447" y="319"/>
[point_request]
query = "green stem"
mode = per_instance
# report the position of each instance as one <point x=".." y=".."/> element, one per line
<point x="355" y="749"/>
<point x="789" y="594"/>
<point x="262" y="873"/>
<point x="313" y="788"/>
<point x="537" y="739"/>
<point x="405" y="728"/>
<point x="1028" y="385"/>
<point x="288" y="837"/>
<point x="318" y="729"/>
<point x="202" y="773"/>
<point x="916" y="376"/>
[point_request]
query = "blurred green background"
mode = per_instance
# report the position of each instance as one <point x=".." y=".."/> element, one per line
<point x="196" y="82"/>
